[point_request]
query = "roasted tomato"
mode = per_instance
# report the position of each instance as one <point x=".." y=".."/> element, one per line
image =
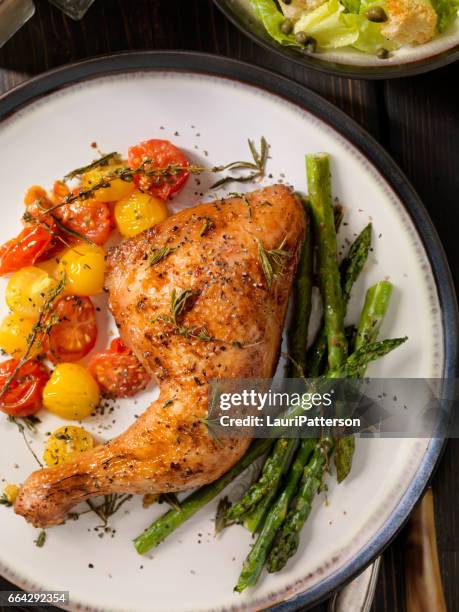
<point x="160" y="154"/>
<point x="76" y="332"/>
<point x="24" y="395"/>
<point x="118" y="371"/>
<point x="89" y="218"/>
<point x="25" y="249"/>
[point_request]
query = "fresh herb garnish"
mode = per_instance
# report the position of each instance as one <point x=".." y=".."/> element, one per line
<point x="272" y="261"/>
<point x="200" y="333"/>
<point x="72" y="232"/>
<point x="19" y="422"/>
<point x="180" y="301"/>
<point x="103" y="161"/>
<point x="258" y="166"/>
<point x="244" y="198"/>
<point x="41" y="328"/>
<point x="207" y="225"/>
<point x="125" y="173"/>
<point x="40" y="541"/>
<point x="111" y="504"/>
<point x="158" y="254"/>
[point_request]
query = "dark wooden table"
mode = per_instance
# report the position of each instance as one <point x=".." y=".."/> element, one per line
<point x="415" y="119"/>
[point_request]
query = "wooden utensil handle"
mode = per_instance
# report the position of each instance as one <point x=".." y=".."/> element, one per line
<point x="424" y="590"/>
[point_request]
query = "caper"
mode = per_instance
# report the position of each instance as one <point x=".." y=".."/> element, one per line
<point x="301" y="38"/>
<point x="287" y="1"/>
<point x="310" y="45"/>
<point x="286" y="26"/>
<point x="382" y="53"/>
<point x="376" y="14"/>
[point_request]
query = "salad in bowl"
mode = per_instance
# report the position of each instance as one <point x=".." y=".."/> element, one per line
<point x="377" y="28"/>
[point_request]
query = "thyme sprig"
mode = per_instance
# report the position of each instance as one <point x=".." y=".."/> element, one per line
<point x="19" y="424"/>
<point x="103" y="161"/>
<point x="110" y="506"/>
<point x="272" y="261"/>
<point x="41" y="328"/>
<point x="125" y="173"/>
<point x="195" y="331"/>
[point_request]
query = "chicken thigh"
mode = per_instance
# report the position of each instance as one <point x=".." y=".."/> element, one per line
<point x="197" y="297"/>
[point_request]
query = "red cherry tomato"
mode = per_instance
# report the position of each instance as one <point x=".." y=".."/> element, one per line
<point x="24" y="395"/>
<point x="160" y="154"/>
<point x="118" y="372"/>
<point x="25" y="249"/>
<point x="90" y="218"/>
<point x="76" y="332"/>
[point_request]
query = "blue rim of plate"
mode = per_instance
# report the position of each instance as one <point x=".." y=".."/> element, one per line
<point x="189" y="62"/>
<point x="257" y="34"/>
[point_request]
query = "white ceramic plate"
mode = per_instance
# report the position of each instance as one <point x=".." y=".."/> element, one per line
<point x="211" y="118"/>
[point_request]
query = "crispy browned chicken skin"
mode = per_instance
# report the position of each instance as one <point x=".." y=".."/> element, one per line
<point x="230" y="327"/>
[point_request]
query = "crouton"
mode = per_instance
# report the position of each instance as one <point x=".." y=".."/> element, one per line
<point x="409" y="22"/>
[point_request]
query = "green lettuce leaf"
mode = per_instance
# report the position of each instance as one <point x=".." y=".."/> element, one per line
<point x="352" y="6"/>
<point x="272" y="19"/>
<point x="330" y="25"/>
<point x="446" y="11"/>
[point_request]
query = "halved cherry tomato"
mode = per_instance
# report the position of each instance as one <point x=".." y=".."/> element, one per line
<point x="160" y="154"/>
<point x="25" y="249"/>
<point x="90" y="218"/>
<point x="118" y="372"/>
<point x="24" y="395"/>
<point x="76" y="332"/>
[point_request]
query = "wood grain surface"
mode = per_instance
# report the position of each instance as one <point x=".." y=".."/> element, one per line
<point x="415" y="119"/>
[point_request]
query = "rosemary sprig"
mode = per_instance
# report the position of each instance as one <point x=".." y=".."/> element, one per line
<point x="157" y="255"/>
<point x="245" y="199"/>
<point x="98" y="163"/>
<point x="258" y="165"/>
<point x="273" y="261"/>
<point x="39" y="331"/>
<point x="180" y="300"/>
<point x="207" y="225"/>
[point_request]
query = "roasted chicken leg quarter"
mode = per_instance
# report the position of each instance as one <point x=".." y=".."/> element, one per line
<point x="198" y="296"/>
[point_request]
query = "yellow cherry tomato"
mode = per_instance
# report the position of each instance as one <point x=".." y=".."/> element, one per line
<point x="66" y="443"/>
<point x="84" y="267"/>
<point x="118" y="189"/>
<point x="27" y="290"/>
<point x="10" y="492"/>
<point x="138" y="212"/>
<point x="71" y="392"/>
<point x="14" y="332"/>
<point x="51" y="266"/>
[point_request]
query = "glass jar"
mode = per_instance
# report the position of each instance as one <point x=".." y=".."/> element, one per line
<point x="73" y="8"/>
<point x="13" y="15"/>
